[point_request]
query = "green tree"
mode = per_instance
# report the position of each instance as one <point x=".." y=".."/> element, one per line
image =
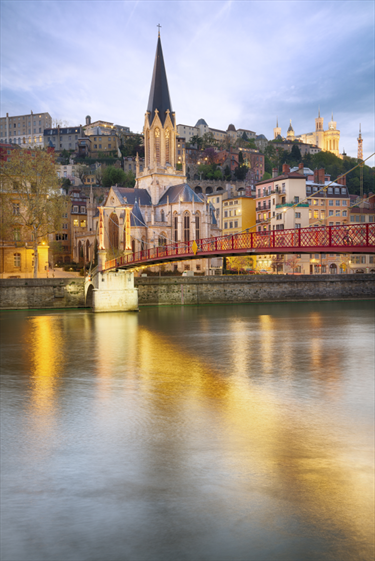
<point x="132" y="145"/>
<point x="31" y="198"/>
<point x="227" y="173"/>
<point x="116" y="176"/>
<point x="266" y="175"/>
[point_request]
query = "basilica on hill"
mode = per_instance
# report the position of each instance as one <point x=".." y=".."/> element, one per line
<point x="165" y="209"/>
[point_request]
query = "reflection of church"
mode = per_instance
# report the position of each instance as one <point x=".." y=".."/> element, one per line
<point x="326" y="140"/>
<point x="164" y="207"/>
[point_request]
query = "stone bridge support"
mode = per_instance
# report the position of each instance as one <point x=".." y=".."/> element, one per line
<point x="111" y="291"/>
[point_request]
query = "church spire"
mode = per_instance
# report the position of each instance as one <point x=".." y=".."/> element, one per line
<point x="159" y="99"/>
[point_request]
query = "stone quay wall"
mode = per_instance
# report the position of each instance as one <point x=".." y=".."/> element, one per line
<point x="242" y="289"/>
<point x="18" y="294"/>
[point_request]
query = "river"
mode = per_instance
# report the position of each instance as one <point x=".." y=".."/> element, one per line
<point x="223" y="433"/>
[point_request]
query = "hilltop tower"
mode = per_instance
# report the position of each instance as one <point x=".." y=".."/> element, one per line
<point x="360" y="144"/>
<point x="160" y="133"/>
<point x="277" y="129"/>
<point x="290" y="133"/>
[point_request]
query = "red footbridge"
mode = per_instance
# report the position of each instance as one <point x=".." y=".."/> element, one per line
<point x="356" y="238"/>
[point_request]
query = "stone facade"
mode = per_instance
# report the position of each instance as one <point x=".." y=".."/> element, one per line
<point x="18" y="294"/>
<point x="232" y="290"/>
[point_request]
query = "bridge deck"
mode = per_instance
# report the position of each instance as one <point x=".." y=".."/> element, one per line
<point x="356" y="238"/>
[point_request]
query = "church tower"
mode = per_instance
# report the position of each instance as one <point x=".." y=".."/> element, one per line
<point x="277" y="129"/>
<point x="332" y="138"/>
<point x="160" y="133"/>
<point x="290" y="133"/>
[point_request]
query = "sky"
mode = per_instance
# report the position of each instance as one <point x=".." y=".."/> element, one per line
<point x="241" y="62"/>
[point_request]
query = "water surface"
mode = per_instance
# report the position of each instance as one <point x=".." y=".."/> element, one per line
<point x="199" y="434"/>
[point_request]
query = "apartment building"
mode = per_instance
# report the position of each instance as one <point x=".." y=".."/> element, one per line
<point x="24" y="130"/>
<point x="62" y="138"/>
<point x="238" y="215"/>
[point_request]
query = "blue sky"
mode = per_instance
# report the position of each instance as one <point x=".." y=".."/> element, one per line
<point x="239" y="62"/>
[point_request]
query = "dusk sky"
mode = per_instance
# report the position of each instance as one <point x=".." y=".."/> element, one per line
<point x="245" y="63"/>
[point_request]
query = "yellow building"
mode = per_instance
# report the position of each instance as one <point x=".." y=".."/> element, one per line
<point x="18" y="262"/>
<point x="238" y="215"/>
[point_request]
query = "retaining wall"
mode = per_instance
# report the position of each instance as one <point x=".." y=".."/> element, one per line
<point x="42" y="293"/>
<point x="69" y="293"/>
<point x="266" y="288"/>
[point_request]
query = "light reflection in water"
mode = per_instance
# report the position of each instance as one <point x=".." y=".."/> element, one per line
<point x="148" y="406"/>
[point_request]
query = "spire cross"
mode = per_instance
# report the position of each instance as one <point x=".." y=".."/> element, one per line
<point x="159" y="26"/>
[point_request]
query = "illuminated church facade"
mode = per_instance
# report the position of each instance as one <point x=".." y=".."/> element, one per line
<point x="164" y="208"/>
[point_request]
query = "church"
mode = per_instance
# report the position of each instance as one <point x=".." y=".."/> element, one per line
<point x="164" y="208"/>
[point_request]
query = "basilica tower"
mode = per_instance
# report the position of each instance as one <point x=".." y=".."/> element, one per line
<point x="160" y="134"/>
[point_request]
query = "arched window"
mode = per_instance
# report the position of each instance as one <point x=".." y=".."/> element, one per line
<point x="162" y="241"/>
<point x="157" y="145"/>
<point x="143" y="244"/>
<point x="87" y="250"/>
<point x="197" y="226"/>
<point x="113" y="228"/>
<point x="17" y="259"/>
<point x="133" y="246"/>
<point x="162" y="215"/>
<point x="186" y="227"/>
<point x="167" y="146"/>
<point x="175" y="227"/>
<point x="148" y="148"/>
<point x="80" y="252"/>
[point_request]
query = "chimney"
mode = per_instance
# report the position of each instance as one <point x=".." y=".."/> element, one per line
<point x="319" y="176"/>
<point x="286" y="168"/>
<point x="342" y="180"/>
<point x="300" y="168"/>
<point x="275" y="172"/>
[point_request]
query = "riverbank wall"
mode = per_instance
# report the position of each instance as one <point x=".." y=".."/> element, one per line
<point x="21" y="294"/>
<point x="165" y="291"/>
<point x="243" y="289"/>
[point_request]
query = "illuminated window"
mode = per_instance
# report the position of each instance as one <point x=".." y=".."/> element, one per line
<point x="83" y="223"/>
<point x="76" y="222"/>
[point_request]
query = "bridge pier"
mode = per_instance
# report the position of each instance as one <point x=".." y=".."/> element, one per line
<point x="113" y="290"/>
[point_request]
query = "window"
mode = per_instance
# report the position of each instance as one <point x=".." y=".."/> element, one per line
<point x="322" y="202"/>
<point x="225" y="213"/>
<point x="298" y="225"/>
<point x="338" y="213"/>
<point x="16" y="208"/>
<point x="236" y="224"/>
<point x="316" y="214"/>
<point x="309" y="201"/>
<point x="338" y="203"/>
<point x="16" y="235"/>
<point x="83" y="210"/>
<point x="330" y="224"/>
<point x="330" y="190"/>
<point x="344" y="213"/>
<point x="61" y="237"/>
<point x="343" y="190"/>
<point x="186" y="227"/>
<point x="344" y="203"/>
<point x="17" y="259"/>
<point x="322" y="214"/>
<point x="337" y="190"/>
<point x="330" y="202"/>
<point x="83" y="224"/>
<point x="230" y="224"/>
<point x="100" y="145"/>
<point x="330" y="213"/>
<point x="197" y="227"/>
<point x="226" y="225"/>
<point x="175" y="227"/>
<point x="76" y="222"/>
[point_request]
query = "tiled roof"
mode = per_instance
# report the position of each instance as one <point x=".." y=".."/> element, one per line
<point x="136" y="217"/>
<point x="127" y="195"/>
<point x="182" y="192"/>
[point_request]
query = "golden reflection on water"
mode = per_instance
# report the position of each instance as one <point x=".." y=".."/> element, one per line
<point x="301" y="461"/>
<point x="46" y="350"/>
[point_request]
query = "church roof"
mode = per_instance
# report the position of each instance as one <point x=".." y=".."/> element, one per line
<point x="182" y="192"/>
<point x="290" y="128"/>
<point x="136" y="217"/>
<point x="128" y="195"/>
<point x="159" y="93"/>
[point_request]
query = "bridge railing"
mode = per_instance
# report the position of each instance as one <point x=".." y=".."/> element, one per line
<point x="322" y="237"/>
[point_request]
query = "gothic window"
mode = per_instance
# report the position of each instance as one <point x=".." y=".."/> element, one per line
<point x="157" y="145"/>
<point x="143" y="244"/>
<point x="175" y="228"/>
<point x="167" y="146"/>
<point x="197" y="226"/>
<point x="113" y="228"/>
<point x="148" y="148"/>
<point x="162" y="215"/>
<point x="186" y="227"/>
<point x="162" y="240"/>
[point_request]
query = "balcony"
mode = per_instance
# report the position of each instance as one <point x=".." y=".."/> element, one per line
<point x="293" y="204"/>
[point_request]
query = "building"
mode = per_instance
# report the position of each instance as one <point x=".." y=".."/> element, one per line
<point x="362" y="212"/>
<point x="238" y="215"/>
<point x="164" y="208"/>
<point x="201" y="128"/>
<point x="327" y="140"/>
<point x="99" y="128"/>
<point x="25" y="130"/>
<point x="62" y="138"/>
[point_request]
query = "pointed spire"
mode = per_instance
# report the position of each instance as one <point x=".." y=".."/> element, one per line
<point x="332" y="116"/>
<point x="159" y="93"/>
<point x="277" y="122"/>
<point x="319" y="112"/>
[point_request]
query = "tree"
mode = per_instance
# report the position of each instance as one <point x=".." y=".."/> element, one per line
<point x="82" y="171"/>
<point x="131" y="145"/>
<point x="31" y="196"/>
<point x="266" y="175"/>
<point x="241" y="263"/>
<point x="59" y="123"/>
<point x="227" y="173"/>
<point x="196" y="141"/>
<point x="241" y="171"/>
<point x="115" y="176"/>
<point x="292" y="262"/>
<point x="99" y="175"/>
